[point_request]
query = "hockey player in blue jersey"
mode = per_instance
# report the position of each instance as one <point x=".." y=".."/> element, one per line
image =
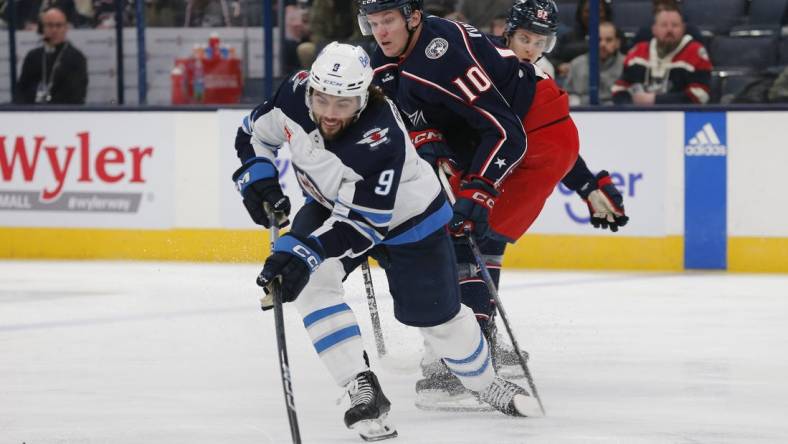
<point x="476" y="100"/>
<point x="367" y="190"/>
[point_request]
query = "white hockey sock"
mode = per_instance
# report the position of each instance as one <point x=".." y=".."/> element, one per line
<point x="464" y="349"/>
<point x="331" y="323"/>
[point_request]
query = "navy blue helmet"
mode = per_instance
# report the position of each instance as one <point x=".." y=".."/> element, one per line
<point x="372" y="6"/>
<point x="537" y="16"/>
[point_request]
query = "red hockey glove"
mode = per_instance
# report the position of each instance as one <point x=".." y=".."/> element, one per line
<point x="605" y="203"/>
<point x="431" y="145"/>
<point x="472" y="209"/>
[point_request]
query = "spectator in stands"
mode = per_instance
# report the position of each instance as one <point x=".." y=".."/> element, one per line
<point x="296" y="33"/>
<point x="671" y="68"/>
<point x="644" y="34"/>
<point x="574" y="43"/>
<point x="165" y="13"/>
<point x="26" y="14"/>
<point x="611" y="63"/>
<point x="330" y="20"/>
<point x="55" y="72"/>
<point x="29" y="11"/>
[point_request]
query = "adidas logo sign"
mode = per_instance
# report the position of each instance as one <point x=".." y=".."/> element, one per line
<point x="705" y="143"/>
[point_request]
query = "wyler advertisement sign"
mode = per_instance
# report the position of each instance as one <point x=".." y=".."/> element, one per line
<point x="634" y="156"/>
<point x="102" y="170"/>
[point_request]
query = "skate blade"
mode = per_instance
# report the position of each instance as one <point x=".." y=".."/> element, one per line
<point x="527" y="406"/>
<point x="439" y="401"/>
<point x="378" y="429"/>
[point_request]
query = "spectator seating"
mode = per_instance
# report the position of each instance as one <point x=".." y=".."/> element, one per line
<point x="632" y="15"/>
<point x="566" y="13"/>
<point x="753" y="52"/>
<point x="768" y="12"/>
<point x="715" y="16"/>
<point x="783" y="56"/>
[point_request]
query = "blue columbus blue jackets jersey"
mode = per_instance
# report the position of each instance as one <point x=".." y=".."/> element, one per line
<point x="378" y="188"/>
<point x="477" y="94"/>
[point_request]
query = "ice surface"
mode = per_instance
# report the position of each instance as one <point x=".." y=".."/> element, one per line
<point x="129" y="353"/>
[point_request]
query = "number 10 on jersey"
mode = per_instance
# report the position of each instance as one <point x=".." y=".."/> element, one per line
<point x="477" y="79"/>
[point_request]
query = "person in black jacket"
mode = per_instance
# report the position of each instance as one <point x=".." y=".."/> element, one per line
<point x="55" y="72"/>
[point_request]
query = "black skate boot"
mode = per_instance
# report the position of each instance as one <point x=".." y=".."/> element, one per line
<point x="441" y="390"/>
<point x="509" y="398"/>
<point x="369" y="408"/>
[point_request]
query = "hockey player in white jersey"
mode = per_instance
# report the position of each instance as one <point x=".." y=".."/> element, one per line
<point x="368" y="193"/>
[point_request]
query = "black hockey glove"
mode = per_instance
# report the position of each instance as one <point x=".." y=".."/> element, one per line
<point x="605" y="203"/>
<point x="431" y="145"/>
<point x="293" y="260"/>
<point x="258" y="182"/>
<point x="475" y="201"/>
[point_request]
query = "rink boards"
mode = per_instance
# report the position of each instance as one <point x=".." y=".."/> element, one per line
<point x="705" y="190"/>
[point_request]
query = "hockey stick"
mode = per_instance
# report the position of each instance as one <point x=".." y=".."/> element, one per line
<point x="281" y="343"/>
<point x="373" y="309"/>
<point x="493" y="292"/>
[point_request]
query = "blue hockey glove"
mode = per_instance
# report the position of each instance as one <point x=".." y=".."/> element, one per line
<point x="475" y="201"/>
<point x="431" y="145"/>
<point x="294" y="259"/>
<point x="605" y="203"/>
<point x="257" y="181"/>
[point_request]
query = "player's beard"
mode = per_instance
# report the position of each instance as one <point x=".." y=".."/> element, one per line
<point x="333" y="132"/>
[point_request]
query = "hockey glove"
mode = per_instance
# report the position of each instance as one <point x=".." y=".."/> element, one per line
<point x="605" y="203"/>
<point x="293" y="260"/>
<point x="431" y="145"/>
<point x="472" y="209"/>
<point x="257" y="181"/>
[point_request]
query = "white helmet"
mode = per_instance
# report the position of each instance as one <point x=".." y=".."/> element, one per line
<point x="341" y="70"/>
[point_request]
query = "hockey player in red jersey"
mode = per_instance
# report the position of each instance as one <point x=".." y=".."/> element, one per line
<point x="461" y="91"/>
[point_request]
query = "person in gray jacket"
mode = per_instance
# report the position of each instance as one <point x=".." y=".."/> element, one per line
<point x="611" y="63"/>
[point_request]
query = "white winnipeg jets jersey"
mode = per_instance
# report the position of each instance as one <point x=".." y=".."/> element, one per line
<point x="378" y="188"/>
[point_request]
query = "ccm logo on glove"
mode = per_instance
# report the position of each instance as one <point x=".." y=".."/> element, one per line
<point x="427" y="136"/>
<point x="309" y="257"/>
<point x="484" y="199"/>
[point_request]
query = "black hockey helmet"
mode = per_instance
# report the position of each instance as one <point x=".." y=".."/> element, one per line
<point x="537" y="16"/>
<point x="372" y="6"/>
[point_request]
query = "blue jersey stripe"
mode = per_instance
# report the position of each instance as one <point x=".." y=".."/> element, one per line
<point x="429" y="225"/>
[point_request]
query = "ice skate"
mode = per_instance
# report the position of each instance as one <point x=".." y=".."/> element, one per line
<point x="441" y="390"/>
<point x="510" y="399"/>
<point x="506" y="361"/>
<point x="369" y="408"/>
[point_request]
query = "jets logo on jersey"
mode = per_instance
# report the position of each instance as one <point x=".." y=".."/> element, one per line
<point x="436" y="48"/>
<point x="374" y="137"/>
<point x="310" y="188"/>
